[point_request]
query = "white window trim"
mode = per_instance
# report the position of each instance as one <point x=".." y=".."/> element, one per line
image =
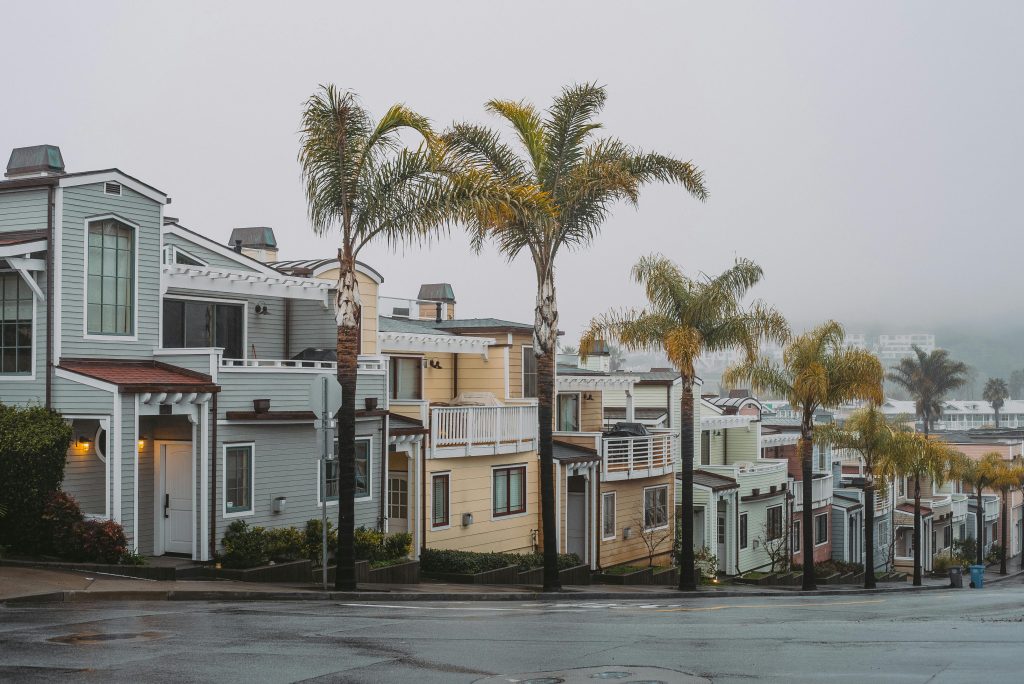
<point x="120" y="188"/>
<point x="171" y="253"/>
<point x="422" y="361"/>
<point x="827" y="535"/>
<point x="224" y="480"/>
<point x="782" y="519"/>
<point x="369" y="475"/>
<point x="526" y="492"/>
<point x="430" y="501"/>
<point x="739" y="531"/>
<point x="30" y="377"/>
<point x="522" y="370"/>
<point x="795" y="544"/>
<point x="668" y="515"/>
<point x="134" y="337"/>
<point x="579" y="410"/>
<point x="211" y="300"/>
<point x="615" y="521"/>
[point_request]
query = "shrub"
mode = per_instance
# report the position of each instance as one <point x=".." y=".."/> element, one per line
<point x="379" y="547"/>
<point x="313" y="541"/>
<point x="100" y="541"/>
<point x="448" y="561"/>
<point x="995" y="554"/>
<point x="942" y="562"/>
<point x="964" y="551"/>
<point x="244" y="546"/>
<point x="60" y="515"/>
<point x="706" y="562"/>
<point x="33" y="449"/>
<point x="285" y="544"/>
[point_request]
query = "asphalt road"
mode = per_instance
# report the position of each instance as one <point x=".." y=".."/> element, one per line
<point x="935" y="636"/>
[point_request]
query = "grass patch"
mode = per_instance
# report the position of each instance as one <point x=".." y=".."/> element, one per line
<point x="755" y="575"/>
<point x="622" y="570"/>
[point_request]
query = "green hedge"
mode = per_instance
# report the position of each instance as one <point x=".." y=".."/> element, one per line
<point x="249" y="547"/>
<point x="446" y="561"/>
<point x="33" y="450"/>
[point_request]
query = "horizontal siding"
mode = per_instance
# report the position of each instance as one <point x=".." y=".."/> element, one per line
<point x="287" y="391"/>
<point x="23" y="210"/>
<point x="629" y="512"/>
<point x="79" y="204"/>
<point x="85" y="477"/>
<point x="129" y="442"/>
<point x="742" y="443"/>
<point x="471" y="493"/>
<point x="214" y="259"/>
<point x="312" y="326"/>
<point x="477" y="374"/>
<point x="757" y="516"/>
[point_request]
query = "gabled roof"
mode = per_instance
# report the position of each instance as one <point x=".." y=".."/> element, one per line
<point x="141" y="376"/>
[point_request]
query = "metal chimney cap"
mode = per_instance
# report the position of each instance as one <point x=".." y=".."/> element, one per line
<point x="42" y="160"/>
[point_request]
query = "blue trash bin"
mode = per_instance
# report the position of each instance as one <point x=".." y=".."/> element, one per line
<point x="978" y="576"/>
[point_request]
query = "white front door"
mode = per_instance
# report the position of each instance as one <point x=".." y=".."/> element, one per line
<point x="177" y="498"/>
<point x="575" y="527"/>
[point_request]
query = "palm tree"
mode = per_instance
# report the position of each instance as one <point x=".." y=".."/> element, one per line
<point x="928" y="378"/>
<point x="871" y="436"/>
<point x="917" y="455"/>
<point x="363" y="183"/>
<point x="582" y="177"/>
<point x="989" y="471"/>
<point x="687" y="317"/>
<point x="817" y="371"/>
<point x="996" y="392"/>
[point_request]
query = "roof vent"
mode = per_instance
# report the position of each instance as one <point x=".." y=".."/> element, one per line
<point x="112" y="189"/>
<point x="38" y="160"/>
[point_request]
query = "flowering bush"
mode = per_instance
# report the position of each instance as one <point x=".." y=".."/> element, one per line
<point x="100" y="541"/>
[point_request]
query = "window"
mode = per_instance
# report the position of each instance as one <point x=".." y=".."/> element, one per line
<point x="173" y="255"/>
<point x="362" y="466"/>
<point x="608" y="516"/>
<point x="529" y="373"/>
<point x="721" y="529"/>
<point x="568" y="419"/>
<point x="774" y="522"/>
<point x="439" y="487"/>
<point x="963" y="531"/>
<point x="796" y="536"/>
<point x="196" y="323"/>
<point x="743" y="530"/>
<point x="111" y="278"/>
<point x="705" y="447"/>
<point x="15" y="325"/>
<point x="509" y="490"/>
<point x="406" y="378"/>
<point x="655" y="507"/>
<point x="398" y="497"/>
<point x="820" y="529"/>
<point x="238" y="478"/>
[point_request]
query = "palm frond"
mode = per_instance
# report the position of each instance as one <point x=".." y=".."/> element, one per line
<point x="528" y="126"/>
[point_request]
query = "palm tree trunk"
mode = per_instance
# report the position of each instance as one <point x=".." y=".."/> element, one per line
<point x="980" y="534"/>
<point x="346" y="313"/>
<point x="917" y="530"/>
<point x="996" y="411"/>
<point x="807" y="515"/>
<point x="869" y="535"/>
<point x="1004" y="520"/>
<point x="687" y="580"/>
<point x="546" y="341"/>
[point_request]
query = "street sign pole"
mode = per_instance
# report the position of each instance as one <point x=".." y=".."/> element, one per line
<point x="323" y="482"/>
<point x="324" y="400"/>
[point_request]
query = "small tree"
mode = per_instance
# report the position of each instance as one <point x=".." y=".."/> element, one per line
<point x="776" y="549"/>
<point x="652" y="537"/>
<point x="996" y="392"/>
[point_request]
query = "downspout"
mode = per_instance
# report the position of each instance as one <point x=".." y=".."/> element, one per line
<point x="423" y="497"/>
<point x="455" y="375"/>
<point x="287" y="328"/>
<point x="736" y="510"/>
<point x="385" y="425"/>
<point x="599" y="535"/>
<point x="213" y="476"/>
<point x="50" y="261"/>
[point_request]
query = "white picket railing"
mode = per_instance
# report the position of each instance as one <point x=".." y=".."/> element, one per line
<point x="959" y="506"/>
<point x="482" y="430"/>
<point x="624" y="458"/>
<point x="821" y="492"/>
<point x="292" y="365"/>
<point x="991" y="504"/>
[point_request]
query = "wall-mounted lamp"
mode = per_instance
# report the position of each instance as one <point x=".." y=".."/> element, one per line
<point x="84" y="442"/>
<point x="588" y="396"/>
<point x="261" y="309"/>
<point x="434" y="363"/>
<point x="142" y="442"/>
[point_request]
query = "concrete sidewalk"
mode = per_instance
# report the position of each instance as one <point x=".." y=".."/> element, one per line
<point x="30" y="585"/>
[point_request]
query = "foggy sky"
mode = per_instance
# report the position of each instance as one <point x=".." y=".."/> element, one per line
<point x="867" y="155"/>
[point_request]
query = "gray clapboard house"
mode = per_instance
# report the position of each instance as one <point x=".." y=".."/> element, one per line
<point x="154" y="341"/>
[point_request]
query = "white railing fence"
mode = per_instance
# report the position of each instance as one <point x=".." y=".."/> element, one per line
<point x="629" y="455"/>
<point x="478" y="429"/>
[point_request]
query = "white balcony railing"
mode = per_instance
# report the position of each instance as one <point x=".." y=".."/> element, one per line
<point x="883" y="501"/>
<point x="959" y="506"/>
<point x="625" y="458"/>
<point x="940" y="505"/>
<point x="369" y="364"/>
<point x="482" y="430"/>
<point x="821" y="492"/>
<point x="991" y="504"/>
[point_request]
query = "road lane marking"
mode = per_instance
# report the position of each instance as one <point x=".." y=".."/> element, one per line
<point x="415" y="607"/>
<point x="770" y="605"/>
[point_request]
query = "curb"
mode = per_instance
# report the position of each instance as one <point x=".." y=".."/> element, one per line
<point x="378" y="596"/>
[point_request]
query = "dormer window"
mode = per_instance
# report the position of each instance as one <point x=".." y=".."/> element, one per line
<point x="110" y="288"/>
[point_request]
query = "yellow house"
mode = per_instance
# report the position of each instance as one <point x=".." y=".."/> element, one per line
<point x="616" y="490"/>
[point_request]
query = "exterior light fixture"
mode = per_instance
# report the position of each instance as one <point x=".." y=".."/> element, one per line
<point x="84" y="442"/>
<point x="261" y="309"/>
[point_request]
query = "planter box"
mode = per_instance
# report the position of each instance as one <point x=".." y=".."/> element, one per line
<point x="834" y="578"/>
<point x="666" y="577"/>
<point x="292" y="571"/>
<point x="578" y="575"/>
<point x="400" y="573"/>
<point x="508" y="575"/>
<point x="645" y="576"/>
<point x="143" y="571"/>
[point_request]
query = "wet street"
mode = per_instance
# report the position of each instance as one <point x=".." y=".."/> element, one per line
<point x="936" y="636"/>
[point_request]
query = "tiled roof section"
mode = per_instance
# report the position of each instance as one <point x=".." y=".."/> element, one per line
<point x="21" y="237"/>
<point x="141" y="376"/>
<point x="409" y="325"/>
<point x="576" y="370"/>
<point x="639" y="412"/>
<point x="564" y="452"/>
<point x="909" y="508"/>
<point x="713" y="481"/>
<point x="458" y="324"/>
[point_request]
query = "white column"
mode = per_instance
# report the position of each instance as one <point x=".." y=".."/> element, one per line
<point x="115" y="457"/>
<point x="418" y="532"/>
<point x="629" y="406"/>
<point x="204" y="480"/>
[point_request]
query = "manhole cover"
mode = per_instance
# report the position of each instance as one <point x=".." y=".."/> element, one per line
<point x="98" y="638"/>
